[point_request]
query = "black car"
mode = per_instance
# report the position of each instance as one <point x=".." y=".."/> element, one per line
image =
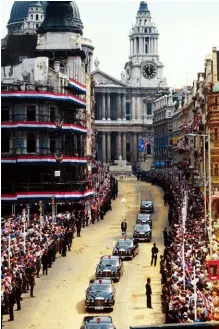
<point x="100" y="295"/>
<point x="142" y="232"/>
<point x="147" y="206"/>
<point x="110" y="267"/>
<point x="97" y="322"/>
<point x="144" y="219"/>
<point x="126" y="248"/>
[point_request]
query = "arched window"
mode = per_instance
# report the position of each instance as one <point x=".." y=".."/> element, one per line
<point x="140" y="22"/>
<point x="37" y="17"/>
<point x="149" y="149"/>
<point x="31" y="143"/>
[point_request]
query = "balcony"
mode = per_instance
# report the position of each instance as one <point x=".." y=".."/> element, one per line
<point x="46" y="122"/>
<point x="41" y="92"/>
<point x="23" y="155"/>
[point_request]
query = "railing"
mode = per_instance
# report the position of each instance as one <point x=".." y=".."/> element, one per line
<point x="79" y="186"/>
<point x="74" y="152"/>
<point x="37" y="88"/>
<point x="40" y="118"/>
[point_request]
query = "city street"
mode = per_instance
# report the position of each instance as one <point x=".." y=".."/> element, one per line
<point x="59" y="301"/>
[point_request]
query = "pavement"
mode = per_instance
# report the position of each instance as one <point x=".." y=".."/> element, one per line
<point x="59" y="297"/>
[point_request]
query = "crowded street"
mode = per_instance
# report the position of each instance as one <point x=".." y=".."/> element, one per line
<point x="60" y="297"/>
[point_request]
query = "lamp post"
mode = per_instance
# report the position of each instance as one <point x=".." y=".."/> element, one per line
<point x="123" y="207"/>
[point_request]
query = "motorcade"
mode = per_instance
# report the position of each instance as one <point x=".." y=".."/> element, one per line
<point x="144" y="218"/>
<point x="100" y="295"/>
<point x="110" y="267"/>
<point x="146" y="206"/>
<point x="97" y="322"/>
<point x="142" y="232"/>
<point x="126" y="248"/>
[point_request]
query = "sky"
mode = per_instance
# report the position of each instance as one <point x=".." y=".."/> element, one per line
<point x="188" y="31"/>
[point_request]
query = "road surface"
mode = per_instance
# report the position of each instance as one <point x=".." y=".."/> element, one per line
<point x="59" y="301"/>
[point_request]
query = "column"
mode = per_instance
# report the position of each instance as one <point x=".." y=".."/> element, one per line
<point x="104" y="147"/>
<point x="119" y="145"/>
<point x="133" y="107"/>
<point x="138" y="110"/>
<point x="124" y="106"/>
<point x="124" y="146"/>
<point x="103" y="107"/>
<point x="109" y="147"/>
<point x="150" y="51"/>
<point x="157" y="46"/>
<point x="119" y="107"/>
<point x="135" y="45"/>
<point x="134" y="147"/>
<point x="108" y="107"/>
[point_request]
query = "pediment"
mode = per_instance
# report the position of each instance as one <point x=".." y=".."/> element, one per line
<point x="104" y="80"/>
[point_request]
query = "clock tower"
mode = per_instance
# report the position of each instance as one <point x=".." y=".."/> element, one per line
<point x="144" y="69"/>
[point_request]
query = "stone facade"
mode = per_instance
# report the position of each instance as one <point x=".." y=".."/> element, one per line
<point x="123" y="111"/>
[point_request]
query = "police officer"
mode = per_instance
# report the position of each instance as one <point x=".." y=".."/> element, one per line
<point x="148" y="292"/>
<point x="165" y="236"/>
<point x="44" y="261"/>
<point x="124" y="226"/>
<point x="154" y="252"/>
<point x="18" y="291"/>
<point x="38" y="266"/>
<point x="11" y="302"/>
<point x="78" y="227"/>
<point x="32" y="284"/>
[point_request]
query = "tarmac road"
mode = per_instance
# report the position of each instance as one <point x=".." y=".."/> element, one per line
<point x="59" y="301"/>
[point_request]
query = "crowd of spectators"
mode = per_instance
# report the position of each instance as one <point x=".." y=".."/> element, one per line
<point x="188" y="295"/>
<point x="35" y="242"/>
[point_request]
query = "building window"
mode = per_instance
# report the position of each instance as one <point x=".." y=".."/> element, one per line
<point x="31" y="143"/>
<point x="149" y="109"/>
<point x="149" y="149"/>
<point x="37" y="17"/>
<point x="52" y="114"/>
<point x="5" y="144"/>
<point x="37" y="25"/>
<point x="140" y="22"/>
<point x="5" y="113"/>
<point x="31" y="16"/>
<point x="216" y="169"/>
<point x="216" y="134"/>
<point x="170" y="128"/>
<point x="52" y="146"/>
<point x="31" y="113"/>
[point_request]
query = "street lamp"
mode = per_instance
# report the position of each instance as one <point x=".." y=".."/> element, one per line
<point x="123" y="206"/>
<point x="209" y="180"/>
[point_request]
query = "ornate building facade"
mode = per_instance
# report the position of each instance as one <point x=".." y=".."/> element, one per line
<point x="47" y="112"/>
<point x="123" y="108"/>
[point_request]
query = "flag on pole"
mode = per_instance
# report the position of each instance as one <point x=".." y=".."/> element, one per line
<point x="141" y="145"/>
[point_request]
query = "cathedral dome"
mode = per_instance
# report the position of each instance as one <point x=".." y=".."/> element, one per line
<point x="19" y="12"/>
<point x="143" y="7"/>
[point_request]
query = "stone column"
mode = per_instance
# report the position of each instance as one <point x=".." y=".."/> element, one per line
<point x="124" y="106"/>
<point x="134" y="147"/>
<point x="104" y="147"/>
<point x="133" y="107"/>
<point x="119" y="145"/>
<point x="157" y="46"/>
<point x="119" y="109"/>
<point x="109" y="147"/>
<point x="124" y="146"/>
<point x="103" y="114"/>
<point x="108" y="107"/>
<point x="138" y="109"/>
<point x="135" y="45"/>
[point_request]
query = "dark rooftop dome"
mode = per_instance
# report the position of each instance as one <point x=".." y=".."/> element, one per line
<point x="62" y="16"/>
<point x="143" y="7"/>
<point x="20" y="9"/>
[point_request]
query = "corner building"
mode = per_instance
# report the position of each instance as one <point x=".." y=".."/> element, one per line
<point x="123" y="108"/>
<point x="44" y="112"/>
